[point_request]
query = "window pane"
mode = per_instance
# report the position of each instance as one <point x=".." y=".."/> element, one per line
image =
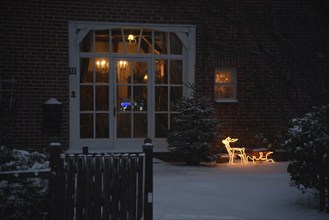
<point x="223" y="77"/>
<point x="117" y="44"/>
<point x="102" y="98"/>
<point x="123" y="126"/>
<point x="160" y="42"/>
<point x="86" y="98"/>
<point x="224" y="92"/>
<point x="161" y="98"/>
<point x="131" y="38"/>
<point x="146" y="42"/>
<point x="102" y="69"/>
<point x="161" y="71"/>
<point x="102" y="40"/>
<point x="176" y="46"/>
<point x="161" y="125"/>
<point x="140" y="72"/>
<point x="124" y="105"/>
<point x="86" y="126"/>
<point x="176" y="72"/>
<point x="123" y="72"/>
<point x="102" y="126"/>
<point x="140" y="98"/>
<point x="175" y="96"/>
<point x="140" y="126"/>
<point x="86" y="70"/>
<point x="124" y="100"/>
<point x="87" y="44"/>
<point x="172" y="117"/>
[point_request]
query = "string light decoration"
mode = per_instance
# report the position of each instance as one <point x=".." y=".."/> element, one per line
<point x="240" y="151"/>
<point x="232" y="151"/>
<point x="261" y="157"/>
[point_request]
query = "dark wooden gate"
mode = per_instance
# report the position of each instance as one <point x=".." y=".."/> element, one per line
<point x="114" y="186"/>
<point x="107" y="186"/>
<point x="104" y="187"/>
<point x="117" y="186"/>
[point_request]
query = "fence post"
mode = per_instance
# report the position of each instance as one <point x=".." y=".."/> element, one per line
<point x="148" y="193"/>
<point x="320" y="155"/>
<point x="326" y="162"/>
<point x="55" y="182"/>
<point x="85" y="150"/>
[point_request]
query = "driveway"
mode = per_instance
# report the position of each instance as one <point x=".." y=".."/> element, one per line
<point x="239" y="191"/>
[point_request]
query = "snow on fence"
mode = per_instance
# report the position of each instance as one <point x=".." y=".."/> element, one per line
<point x="103" y="186"/>
<point x="98" y="186"/>
<point x="324" y="182"/>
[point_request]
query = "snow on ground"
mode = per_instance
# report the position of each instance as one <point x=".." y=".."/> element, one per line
<point x="250" y="191"/>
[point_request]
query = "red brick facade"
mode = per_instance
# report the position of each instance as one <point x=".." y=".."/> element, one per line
<point x="280" y="49"/>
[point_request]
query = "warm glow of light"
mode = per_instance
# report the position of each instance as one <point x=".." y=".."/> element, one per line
<point x="232" y="151"/>
<point x="261" y="157"/>
<point x="102" y="65"/>
<point x="240" y="151"/>
<point x="223" y="77"/>
<point x="161" y="68"/>
<point x="131" y="38"/>
<point x="123" y="64"/>
<point x="145" y="77"/>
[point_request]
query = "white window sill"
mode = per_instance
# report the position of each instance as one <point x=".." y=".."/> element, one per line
<point x="226" y="100"/>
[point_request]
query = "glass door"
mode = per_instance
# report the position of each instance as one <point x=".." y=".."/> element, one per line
<point x="125" y="82"/>
<point x="95" y="94"/>
<point x="131" y="89"/>
<point x="114" y="108"/>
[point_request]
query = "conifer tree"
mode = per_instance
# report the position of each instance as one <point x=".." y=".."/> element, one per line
<point x="194" y="129"/>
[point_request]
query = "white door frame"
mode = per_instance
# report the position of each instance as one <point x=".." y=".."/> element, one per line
<point x="133" y="144"/>
<point x="77" y="31"/>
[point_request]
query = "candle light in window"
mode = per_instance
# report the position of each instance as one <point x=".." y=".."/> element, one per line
<point x="102" y="65"/>
<point x="217" y="79"/>
<point x="122" y="64"/>
<point x="223" y="77"/>
<point x="225" y="84"/>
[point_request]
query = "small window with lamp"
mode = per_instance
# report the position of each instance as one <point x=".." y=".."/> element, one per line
<point x="225" y="85"/>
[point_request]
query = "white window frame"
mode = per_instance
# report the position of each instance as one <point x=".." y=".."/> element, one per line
<point x="233" y="84"/>
<point x="79" y="29"/>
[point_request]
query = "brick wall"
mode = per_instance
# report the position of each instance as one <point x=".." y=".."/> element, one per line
<point x="274" y="45"/>
<point x="280" y="49"/>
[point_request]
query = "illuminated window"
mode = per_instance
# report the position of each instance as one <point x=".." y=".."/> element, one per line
<point x="128" y="79"/>
<point x="225" y="85"/>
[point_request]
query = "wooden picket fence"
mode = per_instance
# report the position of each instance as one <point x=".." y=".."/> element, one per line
<point x="102" y="186"/>
<point x="116" y="186"/>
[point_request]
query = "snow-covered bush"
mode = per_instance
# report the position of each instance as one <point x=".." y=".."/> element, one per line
<point x="308" y="139"/>
<point x="193" y="130"/>
<point x="22" y="198"/>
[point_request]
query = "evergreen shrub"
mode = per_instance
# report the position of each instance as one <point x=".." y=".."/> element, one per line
<point x="194" y="129"/>
<point x="307" y="143"/>
<point x="23" y="198"/>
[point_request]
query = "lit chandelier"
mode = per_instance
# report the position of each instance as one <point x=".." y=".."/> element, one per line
<point x="102" y="65"/>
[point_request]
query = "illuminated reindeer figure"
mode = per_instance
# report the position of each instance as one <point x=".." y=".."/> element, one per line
<point x="240" y="151"/>
<point x="232" y="151"/>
